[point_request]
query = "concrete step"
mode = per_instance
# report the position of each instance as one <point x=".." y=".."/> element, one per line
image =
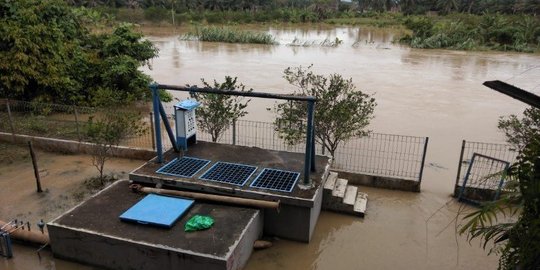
<point x="350" y="195"/>
<point x="360" y="205"/>
<point x="331" y="181"/>
<point x="339" y="189"/>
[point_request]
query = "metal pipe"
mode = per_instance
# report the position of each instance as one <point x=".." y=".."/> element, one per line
<point x="152" y="131"/>
<point x="309" y="139"/>
<point x="77" y="123"/>
<point x="234" y="132"/>
<point x="35" y="165"/>
<point x="459" y="167"/>
<point x="462" y="190"/>
<point x="313" y="169"/>
<point x="168" y="127"/>
<point x="10" y="118"/>
<point x="423" y="162"/>
<point x="208" y="197"/>
<point x="157" y="123"/>
<point x="235" y="93"/>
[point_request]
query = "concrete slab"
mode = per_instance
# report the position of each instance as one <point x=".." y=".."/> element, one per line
<point x="299" y="209"/>
<point x="92" y="233"/>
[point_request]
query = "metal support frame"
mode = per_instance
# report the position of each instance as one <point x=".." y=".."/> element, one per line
<point x="459" y="167"/>
<point x="168" y="127"/>
<point x="157" y="123"/>
<point x="421" y="174"/>
<point x="309" y="165"/>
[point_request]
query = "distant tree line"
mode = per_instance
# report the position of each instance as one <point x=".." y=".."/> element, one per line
<point x="405" y="6"/>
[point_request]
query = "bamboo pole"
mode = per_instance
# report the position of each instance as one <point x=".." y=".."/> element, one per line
<point x="36" y="170"/>
<point x="209" y="197"/>
<point x="27" y="236"/>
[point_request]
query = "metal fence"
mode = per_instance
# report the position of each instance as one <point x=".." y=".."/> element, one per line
<point x="376" y="154"/>
<point x="484" y="178"/>
<point x="504" y="152"/>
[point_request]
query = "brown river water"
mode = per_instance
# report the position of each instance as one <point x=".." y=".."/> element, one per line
<point x="434" y="93"/>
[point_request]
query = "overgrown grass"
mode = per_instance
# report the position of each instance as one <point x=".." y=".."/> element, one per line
<point x="230" y="35"/>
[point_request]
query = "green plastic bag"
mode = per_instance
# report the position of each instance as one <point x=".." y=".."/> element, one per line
<point x="198" y="222"/>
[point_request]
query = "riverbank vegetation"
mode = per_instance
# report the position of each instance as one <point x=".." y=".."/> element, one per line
<point x="230" y="35"/>
<point x="519" y="33"/>
<point x="509" y="25"/>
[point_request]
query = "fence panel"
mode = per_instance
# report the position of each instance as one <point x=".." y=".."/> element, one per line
<point x="384" y="155"/>
<point x="376" y="154"/>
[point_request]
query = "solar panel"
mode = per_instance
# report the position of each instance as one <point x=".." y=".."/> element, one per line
<point x="183" y="167"/>
<point x="230" y="173"/>
<point x="277" y="180"/>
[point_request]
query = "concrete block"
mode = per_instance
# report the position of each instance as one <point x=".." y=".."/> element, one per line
<point x="350" y="195"/>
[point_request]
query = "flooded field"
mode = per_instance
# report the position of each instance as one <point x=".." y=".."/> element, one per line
<point x="435" y="93"/>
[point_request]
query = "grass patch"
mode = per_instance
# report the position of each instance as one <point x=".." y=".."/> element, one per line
<point x="230" y="35"/>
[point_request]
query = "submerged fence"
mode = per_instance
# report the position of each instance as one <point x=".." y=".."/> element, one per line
<point x="500" y="151"/>
<point x="377" y="154"/>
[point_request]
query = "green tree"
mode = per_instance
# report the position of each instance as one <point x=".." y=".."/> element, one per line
<point x="48" y="53"/>
<point x="341" y="111"/>
<point x="218" y="112"/>
<point x="107" y="131"/>
<point x="517" y="241"/>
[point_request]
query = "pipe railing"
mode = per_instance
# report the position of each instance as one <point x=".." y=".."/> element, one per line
<point x="309" y="162"/>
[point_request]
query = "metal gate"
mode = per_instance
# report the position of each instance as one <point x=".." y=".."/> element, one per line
<point x="484" y="179"/>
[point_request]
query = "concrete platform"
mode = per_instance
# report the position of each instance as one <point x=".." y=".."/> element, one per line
<point x="299" y="210"/>
<point x="92" y="233"/>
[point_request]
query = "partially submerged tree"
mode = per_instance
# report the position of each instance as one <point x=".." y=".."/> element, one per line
<point x="517" y="241"/>
<point x="107" y="131"/>
<point x="218" y="112"/>
<point x="341" y="111"/>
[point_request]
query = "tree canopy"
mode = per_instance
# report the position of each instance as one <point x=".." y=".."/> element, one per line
<point x="218" y="112"/>
<point x="49" y="53"/>
<point x="341" y="111"/>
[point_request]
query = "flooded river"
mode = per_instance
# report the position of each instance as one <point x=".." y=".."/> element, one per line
<point x="434" y="93"/>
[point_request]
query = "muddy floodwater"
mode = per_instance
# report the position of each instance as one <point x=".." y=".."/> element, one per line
<point x="434" y="93"/>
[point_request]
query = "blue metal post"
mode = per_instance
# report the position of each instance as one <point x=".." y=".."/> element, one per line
<point x="309" y="141"/>
<point x="157" y="122"/>
<point x="168" y="128"/>
<point x="313" y="152"/>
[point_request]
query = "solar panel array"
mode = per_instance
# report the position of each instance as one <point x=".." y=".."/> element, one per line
<point x="183" y="167"/>
<point x="277" y="180"/>
<point x="230" y="173"/>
